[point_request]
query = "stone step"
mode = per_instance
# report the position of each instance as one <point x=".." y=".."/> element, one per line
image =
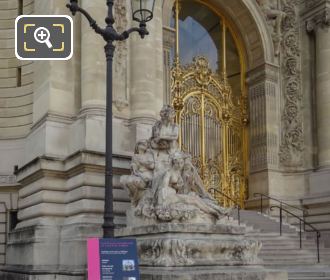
<point x="308" y="274"/>
<point x="324" y="217"/>
<point x="296" y="260"/>
<point x="322" y="226"/>
<point x="316" y="209"/>
<point x="273" y="234"/>
<point x="285" y="241"/>
<point x="316" y="200"/>
<point x="280" y="264"/>
<point x="291" y="252"/>
<point x="282" y="251"/>
<point x="272" y="248"/>
<point x="309" y="278"/>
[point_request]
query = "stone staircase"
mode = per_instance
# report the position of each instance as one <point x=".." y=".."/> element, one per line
<point x="283" y="252"/>
<point x="318" y="214"/>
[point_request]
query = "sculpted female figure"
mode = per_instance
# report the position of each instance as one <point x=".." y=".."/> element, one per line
<point x="169" y="192"/>
<point x="164" y="185"/>
<point x="165" y="132"/>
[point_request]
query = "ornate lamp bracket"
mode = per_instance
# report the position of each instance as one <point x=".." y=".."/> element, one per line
<point x="108" y="33"/>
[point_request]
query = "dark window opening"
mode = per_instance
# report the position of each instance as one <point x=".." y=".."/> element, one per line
<point x="13" y="220"/>
<point x="19" y="77"/>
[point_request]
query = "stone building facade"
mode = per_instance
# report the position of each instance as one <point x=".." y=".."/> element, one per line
<point x="52" y="121"/>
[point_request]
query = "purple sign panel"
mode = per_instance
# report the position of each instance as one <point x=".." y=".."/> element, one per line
<point x="112" y="259"/>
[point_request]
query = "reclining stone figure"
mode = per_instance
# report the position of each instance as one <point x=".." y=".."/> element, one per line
<point x="164" y="185"/>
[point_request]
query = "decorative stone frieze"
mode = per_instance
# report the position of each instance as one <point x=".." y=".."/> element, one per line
<point x="120" y="59"/>
<point x="181" y="245"/>
<point x="292" y="143"/>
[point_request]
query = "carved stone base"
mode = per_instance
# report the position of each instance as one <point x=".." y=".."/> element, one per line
<point x="170" y="251"/>
<point x="212" y="273"/>
<point x="177" y="245"/>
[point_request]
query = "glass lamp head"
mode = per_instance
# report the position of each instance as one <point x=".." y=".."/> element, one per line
<point x="143" y="10"/>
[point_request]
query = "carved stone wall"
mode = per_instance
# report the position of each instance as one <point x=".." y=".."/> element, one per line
<point x="292" y="142"/>
<point x="120" y="79"/>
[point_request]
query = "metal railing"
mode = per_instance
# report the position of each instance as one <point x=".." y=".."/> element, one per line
<point x="229" y="198"/>
<point x="318" y="234"/>
<point x="5" y="223"/>
<point x="304" y="211"/>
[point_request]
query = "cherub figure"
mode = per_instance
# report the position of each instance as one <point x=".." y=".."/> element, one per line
<point x="169" y="194"/>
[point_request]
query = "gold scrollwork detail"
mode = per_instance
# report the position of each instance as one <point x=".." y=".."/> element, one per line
<point x="211" y="127"/>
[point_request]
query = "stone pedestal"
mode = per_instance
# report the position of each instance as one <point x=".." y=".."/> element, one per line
<point x="197" y="251"/>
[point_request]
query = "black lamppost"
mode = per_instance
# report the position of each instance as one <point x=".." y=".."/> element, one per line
<point x="142" y="12"/>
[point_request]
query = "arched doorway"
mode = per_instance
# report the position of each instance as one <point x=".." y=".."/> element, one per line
<point x="209" y="94"/>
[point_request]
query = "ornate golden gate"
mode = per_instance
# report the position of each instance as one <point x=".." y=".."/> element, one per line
<point x="213" y="126"/>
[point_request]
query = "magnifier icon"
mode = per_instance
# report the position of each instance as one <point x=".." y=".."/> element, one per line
<point x="42" y="35"/>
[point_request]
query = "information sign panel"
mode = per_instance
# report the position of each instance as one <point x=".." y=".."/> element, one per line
<point x="112" y="259"/>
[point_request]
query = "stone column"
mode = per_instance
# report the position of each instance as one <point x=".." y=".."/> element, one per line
<point x="319" y="25"/>
<point x="146" y="95"/>
<point x="93" y="72"/>
<point x="322" y="94"/>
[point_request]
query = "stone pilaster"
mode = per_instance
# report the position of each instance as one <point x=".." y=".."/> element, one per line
<point x="318" y="24"/>
<point x="146" y="77"/>
<point x="264" y="111"/>
<point x="93" y="71"/>
<point x="264" y="126"/>
<point x="168" y="45"/>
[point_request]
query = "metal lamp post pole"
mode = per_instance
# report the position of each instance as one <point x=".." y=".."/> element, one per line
<point x="110" y="35"/>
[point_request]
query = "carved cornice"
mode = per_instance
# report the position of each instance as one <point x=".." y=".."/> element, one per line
<point x="80" y="162"/>
<point x="268" y="72"/>
<point x="6" y="180"/>
<point x="320" y="18"/>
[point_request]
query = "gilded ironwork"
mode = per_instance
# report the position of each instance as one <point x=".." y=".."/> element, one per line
<point x="213" y="123"/>
<point x="212" y="127"/>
